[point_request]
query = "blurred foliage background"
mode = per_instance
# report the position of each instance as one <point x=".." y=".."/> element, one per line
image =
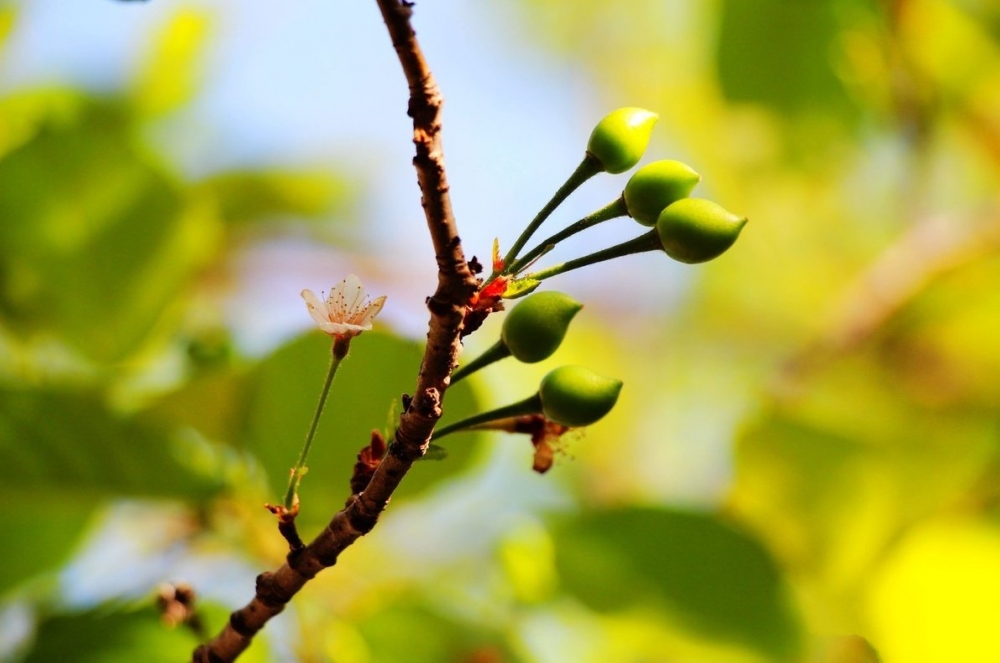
<point x="805" y="461"/>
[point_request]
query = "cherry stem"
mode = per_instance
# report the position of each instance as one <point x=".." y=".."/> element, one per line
<point x="647" y="242"/>
<point x="612" y="210"/>
<point x="530" y="405"/>
<point x="496" y="353"/>
<point x="589" y="167"/>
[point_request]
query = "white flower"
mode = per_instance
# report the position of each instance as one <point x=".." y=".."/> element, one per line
<point x="347" y="311"/>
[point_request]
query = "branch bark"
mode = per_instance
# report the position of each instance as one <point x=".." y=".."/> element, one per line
<point x="456" y="285"/>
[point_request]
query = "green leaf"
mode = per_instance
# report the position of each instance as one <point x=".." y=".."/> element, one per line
<point x="855" y="451"/>
<point x="68" y="443"/>
<point x="116" y="633"/>
<point x="103" y="241"/>
<point x="418" y="634"/>
<point x="169" y="78"/>
<point x="7" y="18"/>
<point x="25" y="113"/>
<point x="40" y="530"/>
<point x="249" y="196"/>
<point x="778" y="52"/>
<point x="707" y="575"/>
<point x="104" y="636"/>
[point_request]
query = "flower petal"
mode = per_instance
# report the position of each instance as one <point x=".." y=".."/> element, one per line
<point x="368" y="313"/>
<point x="354" y="293"/>
<point x="317" y="308"/>
<point x="345" y="297"/>
<point x="340" y="329"/>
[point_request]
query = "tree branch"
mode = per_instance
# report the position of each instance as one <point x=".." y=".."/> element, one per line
<point x="456" y="285"/>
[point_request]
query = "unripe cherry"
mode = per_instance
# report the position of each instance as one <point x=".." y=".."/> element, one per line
<point x="695" y="230"/>
<point x="535" y="328"/>
<point x="620" y="138"/>
<point x="655" y="186"/>
<point x="577" y="396"/>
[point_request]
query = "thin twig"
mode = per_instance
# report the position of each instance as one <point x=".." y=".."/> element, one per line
<point x="456" y="285"/>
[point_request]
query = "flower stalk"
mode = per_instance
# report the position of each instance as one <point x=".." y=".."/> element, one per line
<point x="340" y="348"/>
<point x="649" y="241"/>
<point x="612" y="210"/>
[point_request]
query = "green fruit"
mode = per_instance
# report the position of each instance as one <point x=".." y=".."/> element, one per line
<point x="534" y="328"/>
<point x="577" y="396"/>
<point x="620" y="139"/>
<point x="694" y="230"/>
<point x="657" y="185"/>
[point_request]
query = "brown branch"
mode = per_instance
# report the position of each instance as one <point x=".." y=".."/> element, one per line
<point x="456" y="285"/>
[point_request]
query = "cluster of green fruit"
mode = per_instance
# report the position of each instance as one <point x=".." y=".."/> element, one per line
<point x="690" y="230"/>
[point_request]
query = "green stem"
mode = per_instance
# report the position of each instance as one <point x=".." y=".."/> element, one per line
<point x="589" y="167"/>
<point x="496" y="353"/>
<point x="340" y="351"/>
<point x="648" y="242"/>
<point x="530" y="405"/>
<point x="612" y="210"/>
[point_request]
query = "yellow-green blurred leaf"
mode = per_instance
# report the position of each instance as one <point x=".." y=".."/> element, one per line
<point x="7" y="17"/>
<point x="103" y="636"/>
<point x="100" y="241"/>
<point x="937" y="594"/>
<point x="24" y="114"/>
<point x="261" y="195"/>
<point x="170" y="75"/>
<point x="418" y="634"/>
<point x="705" y="574"/>
<point x="68" y="443"/>
<point x="40" y="529"/>
<point x="778" y="52"/>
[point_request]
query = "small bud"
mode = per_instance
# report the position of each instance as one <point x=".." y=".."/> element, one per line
<point x="620" y="139"/>
<point x="694" y="230"/>
<point x="576" y="396"/>
<point x="534" y="328"/>
<point x="655" y="186"/>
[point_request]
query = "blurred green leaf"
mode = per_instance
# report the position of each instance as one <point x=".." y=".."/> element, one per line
<point x="778" y="52"/>
<point x="68" y="443"/>
<point x="855" y="450"/>
<point x="712" y="578"/>
<point x="107" y="636"/>
<point x="25" y="113"/>
<point x="169" y="78"/>
<point x="417" y="634"/>
<point x="117" y="633"/>
<point x="214" y="403"/>
<point x="7" y="17"/>
<point x="246" y="196"/>
<point x="40" y="530"/>
<point x="101" y="241"/>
